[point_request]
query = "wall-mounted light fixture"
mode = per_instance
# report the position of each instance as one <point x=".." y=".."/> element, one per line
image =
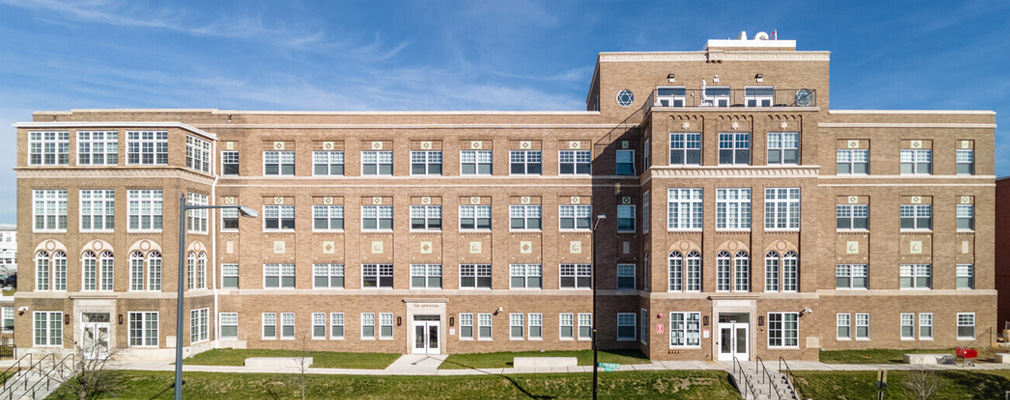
<point x="452" y="321"/>
<point x="66" y="319"/>
<point x="715" y="79"/>
<point x="704" y="320"/>
<point x="806" y="310"/>
<point x="120" y="319"/>
<point x="497" y="311"/>
<point x="759" y="78"/>
<point x="671" y="77"/>
<point x="761" y="320"/>
<point x="399" y="321"/>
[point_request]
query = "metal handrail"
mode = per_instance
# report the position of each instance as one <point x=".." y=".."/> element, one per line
<point x="49" y="374"/>
<point x="766" y="375"/>
<point x="16" y="364"/>
<point x="977" y="337"/>
<point x="23" y="379"/>
<point x="792" y="379"/>
<point x="748" y="385"/>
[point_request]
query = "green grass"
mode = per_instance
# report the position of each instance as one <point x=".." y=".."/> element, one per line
<point x="687" y="385"/>
<point x="504" y="360"/>
<point x="874" y="356"/>
<point x="320" y="359"/>
<point x="951" y="385"/>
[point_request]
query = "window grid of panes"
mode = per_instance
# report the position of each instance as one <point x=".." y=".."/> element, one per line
<point x="278" y="163"/>
<point x="525" y="162"/>
<point x="916" y="276"/>
<point x="426" y="218"/>
<point x="783" y="148"/>
<point x="375" y="218"/>
<point x="852" y="162"/>
<point x="684" y="209"/>
<point x="852" y="216"/>
<point x="525" y="217"/>
<point x="426" y="276"/>
<point x="852" y="276"/>
<point x="576" y="276"/>
<point x="732" y="209"/>
<point x="377" y="163"/>
<point x="916" y="162"/>
<point x="475" y="276"/>
<point x="574" y="162"/>
<point x="474" y="217"/>
<point x="782" y="208"/>
<point x="525" y="276"/>
<point x="48" y="148"/>
<point x="916" y="216"/>
<point x="98" y="210"/>
<point x="734" y="148"/>
<point x="327" y="218"/>
<point x="328" y="276"/>
<point x="49" y="208"/>
<point x="575" y="216"/>
<point x="476" y="162"/>
<point x="426" y="162"/>
<point x="685" y="149"/>
<point x="198" y="154"/>
<point x="327" y="163"/>
<point x="97" y="147"/>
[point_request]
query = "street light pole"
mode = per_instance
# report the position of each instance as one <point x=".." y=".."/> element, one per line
<point x="183" y="208"/>
<point x="596" y="351"/>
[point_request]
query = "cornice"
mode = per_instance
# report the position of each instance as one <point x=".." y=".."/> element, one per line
<point x="114" y="124"/>
<point x="113" y="173"/>
<point x="901" y="125"/>
<point x="730" y="55"/>
<point x="729" y="172"/>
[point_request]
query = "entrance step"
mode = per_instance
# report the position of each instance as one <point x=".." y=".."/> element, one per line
<point x="416" y="364"/>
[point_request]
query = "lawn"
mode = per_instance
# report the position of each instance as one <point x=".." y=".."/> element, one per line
<point x="951" y="385"/>
<point x="320" y="359"/>
<point x="687" y="385"/>
<point x="504" y="360"/>
<point x="873" y="356"/>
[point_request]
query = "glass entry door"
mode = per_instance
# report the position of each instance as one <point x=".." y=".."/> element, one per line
<point x="426" y="334"/>
<point x="95" y="335"/>
<point x="733" y="341"/>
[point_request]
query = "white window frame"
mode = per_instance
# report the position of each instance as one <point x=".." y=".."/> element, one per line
<point x="102" y="143"/>
<point x="536" y="320"/>
<point x="782" y="209"/>
<point x="578" y="274"/>
<point x="268" y="319"/>
<point x="577" y="158"/>
<point x="914" y="273"/>
<point x="782" y="143"/>
<point x="585" y="326"/>
<point x="377" y="160"/>
<point x="477" y="272"/>
<point x="328" y="159"/>
<point x="687" y="145"/>
<point x="97" y="205"/>
<point x="198" y="154"/>
<point x="626" y="271"/>
<point x="368" y="321"/>
<point x="476" y="159"/>
<point x="759" y="96"/>
<point x="783" y="329"/>
<point x="281" y="272"/>
<point x="906" y="320"/>
<point x="734" y="142"/>
<point x="198" y="325"/>
<point x="626" y="212"/>
<point x="918" y="161"/>
<point x="575" y="217"/>
<point x="527" y="214"/>
<point x="850" y="159"/>
<point x="331" y="215"/>
<point x="428" y="214"/>
<point x="466" y="321"/>
<point x="281" y="215"/>
<point x="51" y="206"/>
<point x="386" y="325"/>
<point x="145" y="320"/>
<point x="380" y="272"/>
<point x="925" y="321"/>
<point x="623" y="320"/>
<point x="288" y="321"/>
<point x="474" y="214"/>
<point x="916" y="213"/>
<point x="525" y="272"/>
<point x="966" y="273"/>
<point x="625" y="157"/>
<point x="426" y="159"/>
<point x="49" y="144"/>
<point x="427" y="273"/>
<point x="51" y="333"/>
<point x="485" y="320"/>
<point x="526" y="158"/>
<point x="516" y="321"/>
<point x="230" y="157"/>
<point x="965" y="158"/>
<point x="281" y="160"/>
<point x="329" y="272"/>
<point x="197" y="220"/>
<point x="733" y="209"/>
<point x="962" y="320"/>
<point x="843" y="321"/>
<point x="146" y="147"/>
<point x="966" y="213"/>
<point x="685" y="209"/>
<point x="862" y="320"/>
<point x="646" y="213"/>
<point x="337" y="321"/>
<point x="566" y="320"/>
<point x="227" y="319"/>
<point x="378" y="214"/>
<point x="229" y="270"/>
<point x="688" y="337"/>
<point x="850" y="214"/>
<point x="850" y="272"/>
<point x="144" y="203"/>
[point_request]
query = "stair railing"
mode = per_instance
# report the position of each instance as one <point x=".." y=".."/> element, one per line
<point x="748" y="387"/>
<point x="8" y="375"/>
<point x="790" y="377"/>
<point x="763" y="372"/>
<point x="48" y="375"/>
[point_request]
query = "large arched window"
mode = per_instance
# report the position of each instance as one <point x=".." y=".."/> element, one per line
<point x="741" y="263"/>
<point x="136" y="271"/>
<point x="190" y="266"/>
<point x="722" y="272"/>
<point x="60" y="271"/>
<point x="107" y="262"/>
<point x="772" y="271"/>
<point x="154" y="271"/>
<point x="693" y="264"/>
<point x="790" y="272"/>
<point x="89" y="267"/>
<point x="676" y="272"/>
<point x="41" y="271"/>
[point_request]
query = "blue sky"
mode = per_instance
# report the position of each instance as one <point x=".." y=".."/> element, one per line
<point x="465" y="55"/>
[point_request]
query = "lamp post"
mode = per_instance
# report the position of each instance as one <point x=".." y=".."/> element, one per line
<point x="183" y="208"/>
<point x="596" y="363"/>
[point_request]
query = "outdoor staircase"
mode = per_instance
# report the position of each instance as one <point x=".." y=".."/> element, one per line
<point x="29" y="384"/>
<point x="760" y="383"/>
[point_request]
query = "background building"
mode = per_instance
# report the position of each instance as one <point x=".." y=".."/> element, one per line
<point x="744" y="218"/>
<point x="8" y="249"/>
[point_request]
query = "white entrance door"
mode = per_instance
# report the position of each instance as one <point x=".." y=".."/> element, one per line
<point x="95" y="335"/>
<point x="733" y="341"/>
<point x="426" y="334"/>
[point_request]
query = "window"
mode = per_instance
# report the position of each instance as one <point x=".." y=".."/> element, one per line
<point x="229" y="325"/>
<point x="426" y="276"/>
<point x="229" y="163"/>
<point x="734" y="148"/>
<point x="327" y="163"/>
<point x="862" y="326"/>
<point x="97" y="147"/>
<point x="722" y="272"/>
<point x="144" y="210"/>
<point x="725" y="278"/>
<point x="717" y="96"/>
<point x="685" y="149"/>
<point x="474" y="218"/>
<point x="196" y="271"/>
<point x="646" y="216"/>
<point x="965" y="276"/>
<point x="908" y="326"/>
<point x="147" y="147"/>
<point x="484" y="326"/>
<point x="758" y="96"/>
<point x="475" y="276"/>
<point x="783" y="148"/>
<point x="524" y="218"/>
<point x="328" y="276"/>
<point x="684" y="209"/>
<point x="782" y="208"/>
<point x="377" y="218"/>
<point x="337" y="325"/>
<point x="645" y="153"/>
<point x="851" y="276"/>
<point x="475" y="162"/>
<point x="965" y="326"/>
<point x="626" y="162"/>
<point x="106" y="264"/>
<point x="916" y="276"/>
<point x="229" y="276"/>
<point x="97" y="210"/>
<point x="925" y="326"/>
<point x="685" y="329"/>
<point x="852" y="216"/>
<point x="270" y="325"/>
<point x="198" y="320"/>
<point x="327" y="218"/>
<point x="626" y="218"/>
<point x="197" y="154"/>
<point x="278" y="275"/>
<point x="525" y="276"/>
<point x="670" y="96"/>
<point x="916" y="162"/>
<point x="278" y="163"/>
<point x="626" y="277"/>
<point x="536" y="326"/>
<point x="525" y="162"/>
<point x="626" y="326"/>
<point x="516" y="326"/>
<point x="154" y="271"/>
<point x="966" y="162"/>
<point x="287" y="325"/>
<point x="367" y="326"/>
<point x="693" y="262"/>
<point x="783" y="330"/>
<point x="575" y="216"/>
<point x="377" y="276"/>
<point x="143" y="329"/>
<point x="585" y="326"/>
<point x="8" y="318"/>
<point x="574" y="162"/>
<point x="965" y="217"/>
<point x="790" y="272"/>
<point x="48" y="148"/>
<point x="576" y="276"/>
<point x="852" y="162"/>
<point x="385" y="325"/>
<point x="567" y="326"/>
<point x="916" y="216"/>
<point x="377" y="163"/>
<point x="41" y="271"/>
<point x="229" y="220"/>
<point x="844" y="325"/>
<point x="426" y="218"/>
<point x="466" y="326"/>
<point x="426" y="162"/>
<point x="60" y="271"/>
<point x="676" y="275"/>
<point x="136" y="271"/>
<point x="48" y="328"/>
<point x="277" y="217"/>
<point x="196" y="220"/>
<point x="50" y="210"/>
<point x="732" y="209"/>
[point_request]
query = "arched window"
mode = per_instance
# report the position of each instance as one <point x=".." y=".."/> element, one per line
<point x="771" y="271"/>
<point x="190" y="266"/>
<point x="693" y="261"/>
<point x="676" y="272"/>
<point x="60" y="271"/>
<point x="201" y="272"/>
<point x="722" y="272"/>
<point x="108" y="270"/>
<point x="41" y="271"/>
<point x="136" y="271"/>
<point x="741" y="263"/>
<point x="154" y="271"/>
<point x="790" y="272"/>
<point x="89" y="266"/>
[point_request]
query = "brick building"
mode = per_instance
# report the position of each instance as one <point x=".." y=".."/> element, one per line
<point x="790" y="227"/>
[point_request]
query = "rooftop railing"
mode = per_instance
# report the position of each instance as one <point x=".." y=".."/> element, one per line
<point x="674" y="97"/>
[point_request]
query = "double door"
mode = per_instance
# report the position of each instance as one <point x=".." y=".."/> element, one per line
<point x="426" y="334"/>
<point x="733" y="341"/>
<point x="95" y="335"/>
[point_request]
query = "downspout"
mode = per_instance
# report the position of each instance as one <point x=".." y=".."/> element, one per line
<point x="213" y="245"/>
